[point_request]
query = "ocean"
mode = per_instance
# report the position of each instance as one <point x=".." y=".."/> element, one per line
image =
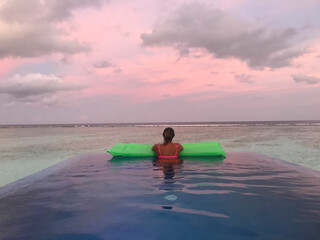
<point x="26" y="149"/>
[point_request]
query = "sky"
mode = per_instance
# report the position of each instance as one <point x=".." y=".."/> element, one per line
<point x="107" y="61"/>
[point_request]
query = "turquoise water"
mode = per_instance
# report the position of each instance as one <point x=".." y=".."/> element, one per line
<point x="245" y="196"/>
<point x="27" y="150"/>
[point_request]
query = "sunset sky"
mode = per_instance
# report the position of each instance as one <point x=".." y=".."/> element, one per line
<point x="99" y="61"/>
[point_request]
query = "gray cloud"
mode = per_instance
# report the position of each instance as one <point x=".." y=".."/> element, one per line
<point x="117" y="70"/>
<point x="36" y="41"/>
<point x="103" y="64"/>
<point x="301" y="78"/>
<point x="21" y="11"/>
<point x="142" y="83"/>
<point x="45" y="10"/>
<point x="225" y="36"/>
<point x="244" y="78"/>
<point x="28" y="27"/>
<point x="35" y="87"/>
<point x="63" y="9"/>
<point x="107" y="64"/>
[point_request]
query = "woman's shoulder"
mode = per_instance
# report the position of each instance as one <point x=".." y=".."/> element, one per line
<point x="180" y="147"/>
<point x="155" y="146"/>
<point x="177" y="144"/>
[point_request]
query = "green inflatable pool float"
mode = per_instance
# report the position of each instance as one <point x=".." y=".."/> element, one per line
<point x="201" y="149"/>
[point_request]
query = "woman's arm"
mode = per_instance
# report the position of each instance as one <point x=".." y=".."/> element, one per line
<point x="154" y="148"/>
<point x="180" y="147"/>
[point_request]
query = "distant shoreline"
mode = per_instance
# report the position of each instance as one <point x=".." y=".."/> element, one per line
<point x="173" y="124"/>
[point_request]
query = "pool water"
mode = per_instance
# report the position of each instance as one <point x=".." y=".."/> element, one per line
<point x="245" y="196"/>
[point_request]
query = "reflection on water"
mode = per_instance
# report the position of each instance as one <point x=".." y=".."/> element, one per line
<point x="244" y="196"/>
<point x="169" y="167"/>
<point x="169" y="170"/>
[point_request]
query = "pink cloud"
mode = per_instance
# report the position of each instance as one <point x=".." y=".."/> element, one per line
<point x="140" y="75"/>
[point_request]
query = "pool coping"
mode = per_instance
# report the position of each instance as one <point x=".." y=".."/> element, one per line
<point x="15" y="186"/>
<point x="294" y="166"/>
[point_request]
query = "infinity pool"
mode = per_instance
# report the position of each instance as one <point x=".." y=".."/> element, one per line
<point x="94" y="197"/>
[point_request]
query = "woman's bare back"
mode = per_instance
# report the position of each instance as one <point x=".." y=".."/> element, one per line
<point x="170" y="149"/>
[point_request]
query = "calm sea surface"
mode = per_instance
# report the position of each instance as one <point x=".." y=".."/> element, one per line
<point x="25" y="150"/>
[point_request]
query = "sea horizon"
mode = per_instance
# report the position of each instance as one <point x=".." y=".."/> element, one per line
<point x="173" y="123"/>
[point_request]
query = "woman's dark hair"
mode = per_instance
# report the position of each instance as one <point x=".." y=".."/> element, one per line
<point x="168" y="135"/>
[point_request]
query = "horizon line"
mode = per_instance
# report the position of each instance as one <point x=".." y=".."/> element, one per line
<point x="156" y="123"/>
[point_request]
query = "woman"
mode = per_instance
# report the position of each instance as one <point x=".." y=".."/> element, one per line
<point x="168" y="149"/>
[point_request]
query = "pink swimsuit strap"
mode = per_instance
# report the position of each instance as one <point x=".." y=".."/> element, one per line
<point x="170" y="157"/>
